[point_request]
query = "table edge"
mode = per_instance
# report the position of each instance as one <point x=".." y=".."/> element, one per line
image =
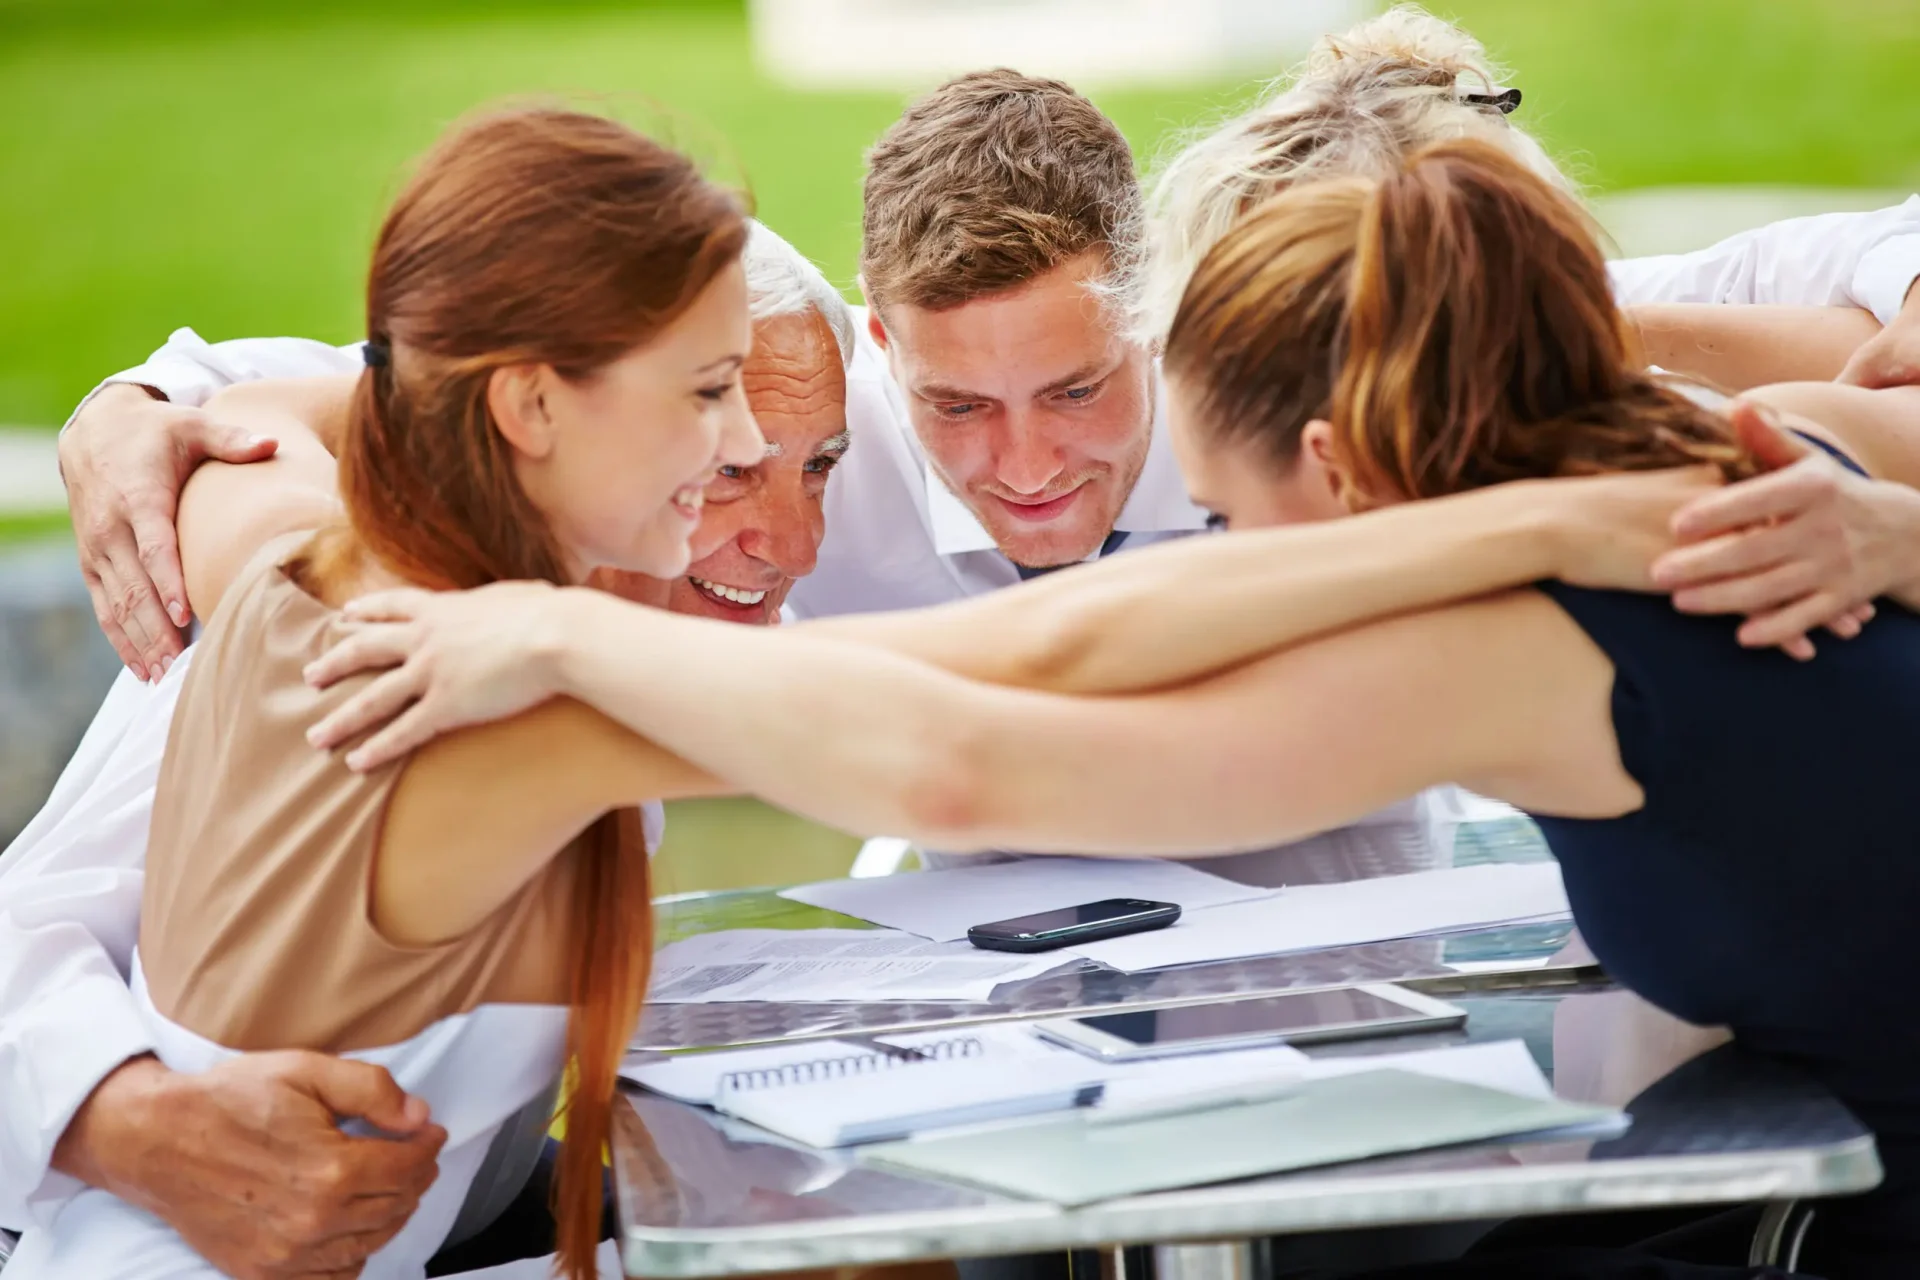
<point x="1243" y="1210"/>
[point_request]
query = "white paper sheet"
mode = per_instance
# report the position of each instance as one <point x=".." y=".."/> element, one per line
<point x="1314" y="917"/>
<point x="943" y="905"/>
<point x="1502" y="1064"/>
<point x="833" y="965"/>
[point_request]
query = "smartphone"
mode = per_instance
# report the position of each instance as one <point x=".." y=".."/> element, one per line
<point x="1303" y="1017"/>
<point x="1049" y="930"/>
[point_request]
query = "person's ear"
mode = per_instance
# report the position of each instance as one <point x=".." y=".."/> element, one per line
<point x="517" y="398"/>
<point x="1325" y="472"/>
<point x="875" y="329"/>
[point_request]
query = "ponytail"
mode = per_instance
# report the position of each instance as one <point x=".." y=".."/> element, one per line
<point x="532" y="236"/>
<point x="1453" y="321"/>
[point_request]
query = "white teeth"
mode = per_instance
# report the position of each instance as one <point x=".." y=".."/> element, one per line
<point x="735" y="594"/>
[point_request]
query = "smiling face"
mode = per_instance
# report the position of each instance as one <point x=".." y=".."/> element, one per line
<point x="763" y="521"/>
<point x="618" y="460"/>
<point x="762" y="525"/>
<point x="1030" y="408"/>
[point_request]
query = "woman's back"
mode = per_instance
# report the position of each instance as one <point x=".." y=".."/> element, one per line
<point x="256" y="930"/>
<point x="1770" y="880"/>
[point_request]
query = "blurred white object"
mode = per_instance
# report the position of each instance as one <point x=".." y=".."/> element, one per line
<point x="880" y="856"/>
<point x="1656" y="220"/>
<point x="906" y="44"/>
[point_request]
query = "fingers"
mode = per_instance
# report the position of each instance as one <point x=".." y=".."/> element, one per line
<point x="1772" y="446"/>
<point x="358" y="1090"/>
<point x="1755" y="593"/>
<point x="374" y="705"/>
<point x="1779" y="626"/>
<point x="204" y="438"/>
<point x="345" y="1256"/>
<point x="399" y="605"/>
<point x="370" y="647"/>
<point x="1878" y="365"/>
<point x="136" y="608"/>
<point x="411" y="730"/>
<point x="1706" y="564"/>
<point x="1764" y="498"/>
<point x="103" y="614"/>
<point x="158" y="547"/>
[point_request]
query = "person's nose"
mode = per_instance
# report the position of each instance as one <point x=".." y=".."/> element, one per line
<point x="1024" y="460"/>
<point x="741" y="444"/>
<point x="784" y="530"/>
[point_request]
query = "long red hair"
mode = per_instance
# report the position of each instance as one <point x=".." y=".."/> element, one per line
<point x="1453" y="321"/>
<point x="533" y="236"/>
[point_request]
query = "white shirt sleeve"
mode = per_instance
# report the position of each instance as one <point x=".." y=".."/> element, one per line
<point x="1865" y="260"/>
<point x="70" y="889"/>
<point x="188" y="369"/>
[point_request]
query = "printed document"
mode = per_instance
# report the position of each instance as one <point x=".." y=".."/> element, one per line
<point x="943" y="905"/>
<point x="833" y="965"/>
<point x="1319" y="916"/>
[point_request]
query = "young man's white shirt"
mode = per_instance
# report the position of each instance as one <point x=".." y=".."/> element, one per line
<point x="70" y="886"/>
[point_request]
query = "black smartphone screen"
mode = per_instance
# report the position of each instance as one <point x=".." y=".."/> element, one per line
<point x="1044" y="923"/>
<point x="1301" y="1011"/>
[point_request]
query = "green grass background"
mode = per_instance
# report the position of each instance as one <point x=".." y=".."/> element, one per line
<point x="169" y="162"/>
<point x="224" y="164"/>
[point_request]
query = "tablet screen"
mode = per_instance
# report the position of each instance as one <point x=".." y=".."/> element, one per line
<point x="1272" y="1014"/>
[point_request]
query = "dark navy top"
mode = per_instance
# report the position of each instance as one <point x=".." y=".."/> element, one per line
<point x="1771" y="881"/>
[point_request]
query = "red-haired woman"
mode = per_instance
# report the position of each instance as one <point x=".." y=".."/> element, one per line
<point x="1735" y="827"/>
<point x="557" y="316"/>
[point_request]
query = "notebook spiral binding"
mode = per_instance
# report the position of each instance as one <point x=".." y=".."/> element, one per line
<point x="858" y="1064"/>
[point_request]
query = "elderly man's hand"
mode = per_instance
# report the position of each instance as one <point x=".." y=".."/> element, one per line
<point x="1891" y="358"/>
<point x="1809" y="545"/>
<point x="248" y="1163"/>
<point x="124" y="460"/>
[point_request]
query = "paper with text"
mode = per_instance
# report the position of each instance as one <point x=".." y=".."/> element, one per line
<point x="833" y="965"/>
<point x="1316" y="917"/>
<point x="943" y="905"/>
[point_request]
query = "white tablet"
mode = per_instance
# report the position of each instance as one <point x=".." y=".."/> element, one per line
<point x="1297" y="1017"/>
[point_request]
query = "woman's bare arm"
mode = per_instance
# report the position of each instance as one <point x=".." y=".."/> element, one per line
<point x="1504" y="695"/>
<point x="228" y="513"/>
<point x="1737" y="347"/>
<point x="1170" y="613"/>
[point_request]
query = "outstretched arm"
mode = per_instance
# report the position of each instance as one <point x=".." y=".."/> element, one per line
<point x="1293" y="743"/>
<point x="1735" y="348"/>
<point x="1169" y="613"/>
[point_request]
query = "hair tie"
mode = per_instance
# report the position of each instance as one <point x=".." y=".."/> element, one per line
<point x="376" y="354"/>
<point x="1506" y="102"/>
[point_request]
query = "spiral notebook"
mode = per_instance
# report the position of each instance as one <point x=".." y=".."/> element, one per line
<point x="700" y="1077"/>
<point x="841" y="1092"/>
<point x="841" y="1111"/>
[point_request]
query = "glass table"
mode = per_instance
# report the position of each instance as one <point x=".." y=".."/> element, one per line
<point x="702" y="1195"/>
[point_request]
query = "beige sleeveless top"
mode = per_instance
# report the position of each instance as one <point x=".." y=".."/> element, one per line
<point x="255" y="930"/>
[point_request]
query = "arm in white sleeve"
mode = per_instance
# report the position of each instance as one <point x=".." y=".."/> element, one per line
<point x="70" y="891"/>
<point x="188" y="369"/>
<point x="1828" y="260"/>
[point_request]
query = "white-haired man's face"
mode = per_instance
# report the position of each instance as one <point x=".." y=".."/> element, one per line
<point x="762" y="525"/>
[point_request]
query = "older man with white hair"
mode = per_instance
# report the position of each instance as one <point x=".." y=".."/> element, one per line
<point x="761" y="528"/>
<point x="248" y="1162"/>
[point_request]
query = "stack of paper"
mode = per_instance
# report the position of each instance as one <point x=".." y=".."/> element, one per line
<point x="800" y="965"/>
<point x="838" y="1112"/>
<point x="1315" y="917"/>
<point x="943" y="905"/>
<point x="1082" y="1158"/>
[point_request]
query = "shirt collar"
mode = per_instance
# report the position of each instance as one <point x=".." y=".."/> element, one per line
<point x="1158" y="503"/>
